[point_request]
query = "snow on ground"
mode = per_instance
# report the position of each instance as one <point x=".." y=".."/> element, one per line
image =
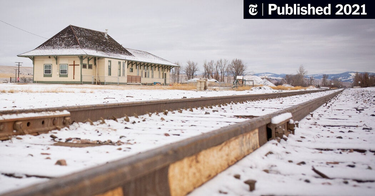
<point x="27" y="156"/>
<point x="338" y="140"/>
<point x="31" y="96"/>
<point x="258" y="81"/>
<point x="263" y="89"/>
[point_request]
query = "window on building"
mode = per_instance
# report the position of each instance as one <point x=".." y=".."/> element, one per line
<point x="90" y="66"/>
<point x="152" y="72"/>
<point x="145" y="74"/>
<point x="119" y="68"/>
<point x="109" y="68"/>
<point x="131" y="69"/>
<point x="64" y="70"/>
<point x="123" y="68"/>
<point x="47" y="70"/>
<point x="84" y="66"/>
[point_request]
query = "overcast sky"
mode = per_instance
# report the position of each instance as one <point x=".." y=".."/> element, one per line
<point x="195" y="30"/>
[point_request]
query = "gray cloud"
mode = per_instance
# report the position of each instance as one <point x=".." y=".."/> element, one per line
<point x="197" y="31"/>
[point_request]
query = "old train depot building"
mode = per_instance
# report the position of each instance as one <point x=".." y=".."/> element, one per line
<point x="77" y="55"/>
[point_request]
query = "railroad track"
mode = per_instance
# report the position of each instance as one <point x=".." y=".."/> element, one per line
<point x="177" y="168"/>
<point x="36" y="121"/>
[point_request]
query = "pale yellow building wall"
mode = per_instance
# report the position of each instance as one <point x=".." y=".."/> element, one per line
<point x="98" y="73"/>
<point x="88" y="75"/>
<point x="134" y="66"/>
<point x="114" y="77"/>
<point x="39" y="63"/>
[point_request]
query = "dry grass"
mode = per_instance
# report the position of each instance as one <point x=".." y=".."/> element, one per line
<point x="288" y="88"/>
<point x="177" y="86"/>
<point x="6" y="75"/>
<point x="243" y="88"/>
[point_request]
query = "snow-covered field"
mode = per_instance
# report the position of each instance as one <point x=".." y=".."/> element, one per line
<point x="30" y="159"/>
<point x="30" y="96"/>
<point x="338" y="141"/>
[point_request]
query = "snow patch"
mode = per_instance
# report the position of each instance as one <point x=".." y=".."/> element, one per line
<point x="258" y="81"/>
<point x="263" y="89"/>
<point x="280" y="118"/>
<point x="31" y="115"/>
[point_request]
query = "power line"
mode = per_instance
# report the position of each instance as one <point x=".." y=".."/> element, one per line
<point x="23" y="30"/>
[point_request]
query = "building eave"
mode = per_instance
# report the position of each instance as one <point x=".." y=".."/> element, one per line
<point x="85" y="52"/>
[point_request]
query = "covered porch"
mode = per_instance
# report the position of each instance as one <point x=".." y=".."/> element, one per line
<point x="147" y="73"/>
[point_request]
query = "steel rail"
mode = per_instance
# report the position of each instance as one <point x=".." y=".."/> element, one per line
<point x="174" y="169"/>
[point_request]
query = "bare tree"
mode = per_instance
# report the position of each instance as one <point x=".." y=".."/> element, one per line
<point x="357" y="79"/>
<point x="191" y="69"/>
<point x="300" y="77"/>
<point x="222" y="65"/>
<point x="211" y="69"/>
<point x="289" y="79"/>
<point x="311" y="80"/>
<point x="205" y="70"/>
<point x="216" y="73"/>
<point x="335" y="82"/>
<point x="325" y="80"/>
<point x="372" y="80"/>
<point x="363" y="79"/>
<point x="208" y="69"/>
<point x="176" y="73"/>
<point x="236" y="68"/>
<point x="229" y="73"/>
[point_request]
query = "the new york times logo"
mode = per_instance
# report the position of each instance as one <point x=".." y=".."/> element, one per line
<point x="299" y="9"/>
<point x="253" y="9"/>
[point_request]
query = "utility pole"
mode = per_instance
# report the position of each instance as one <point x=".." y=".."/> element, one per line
<point x="18" y="64"/>
<point x="15" y="76"/>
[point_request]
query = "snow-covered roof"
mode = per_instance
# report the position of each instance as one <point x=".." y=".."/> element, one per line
<point x="80" y="41"/>
<point x="143" y="56"/>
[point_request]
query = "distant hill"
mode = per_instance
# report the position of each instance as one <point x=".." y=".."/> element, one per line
<point x="8" y="71"/>
<point x="271" y="75"/>
<point x="343" y="77"/>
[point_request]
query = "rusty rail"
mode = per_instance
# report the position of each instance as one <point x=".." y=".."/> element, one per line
<point x="117" y="110"/>
<point x="174" y="169"/>
<point x="32" y="123"/>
